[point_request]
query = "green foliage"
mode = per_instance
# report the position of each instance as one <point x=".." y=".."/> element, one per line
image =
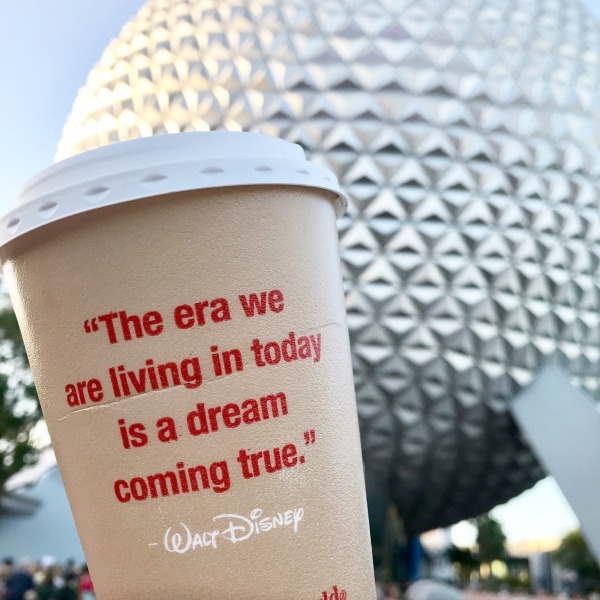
<point x="490" y="539"/>
<point x="574" y="554"/>
<point x="19" y="407"/>
<point x="464" y="561"/>
<point x="462" y="556"/>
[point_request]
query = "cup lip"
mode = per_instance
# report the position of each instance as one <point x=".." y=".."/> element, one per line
<point x="162" y="164"/>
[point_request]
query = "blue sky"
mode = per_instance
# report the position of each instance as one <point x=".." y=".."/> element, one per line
<point x="47" y="48"/>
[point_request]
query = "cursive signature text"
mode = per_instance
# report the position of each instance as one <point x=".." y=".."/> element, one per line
<point x="233" y="529"/>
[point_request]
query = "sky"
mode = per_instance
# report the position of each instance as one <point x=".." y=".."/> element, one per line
<point x="47" y="48"/>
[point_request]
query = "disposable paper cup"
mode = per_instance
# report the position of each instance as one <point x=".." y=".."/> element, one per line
<point x="181" y="303"/>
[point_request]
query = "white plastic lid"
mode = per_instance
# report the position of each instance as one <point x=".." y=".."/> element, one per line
<point x="158" y="165"/>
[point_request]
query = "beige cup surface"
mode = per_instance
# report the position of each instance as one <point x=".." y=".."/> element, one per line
<point x="152" y="256"/>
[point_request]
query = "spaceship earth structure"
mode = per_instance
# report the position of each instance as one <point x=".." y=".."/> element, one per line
<point x="466" y="135"/>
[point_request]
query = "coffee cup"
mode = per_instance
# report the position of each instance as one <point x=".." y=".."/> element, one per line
<point x="181" y="303"/>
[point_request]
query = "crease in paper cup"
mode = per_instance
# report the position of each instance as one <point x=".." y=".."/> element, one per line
<point x="162" y="164"/>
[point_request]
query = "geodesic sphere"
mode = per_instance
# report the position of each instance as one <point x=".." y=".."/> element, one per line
<point x="465" y="133"/>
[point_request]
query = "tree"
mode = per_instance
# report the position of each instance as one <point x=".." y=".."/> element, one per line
<point x="490" y="539"/>
<point x="19" y="406"/>
<point x="463" y="560"/>
<point x="491" y="546"/>
<point x="574" y="554"/>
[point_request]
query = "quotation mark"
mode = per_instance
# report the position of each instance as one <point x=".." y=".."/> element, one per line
<point x="90" y="325"/>
<point x="310" y="437"/>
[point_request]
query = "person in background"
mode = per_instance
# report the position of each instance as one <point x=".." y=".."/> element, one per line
<point x="19" y="582"/>
<point x="392" y="592"/>
<point x="46" y="589"/>
<point x="68" y="591"/>
<point x="38" y="573"/>
<point x="86" y="587"/>
<point x="5" y="570"/>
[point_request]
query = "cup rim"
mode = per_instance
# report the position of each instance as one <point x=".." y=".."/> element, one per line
<point x="162" y="164"/>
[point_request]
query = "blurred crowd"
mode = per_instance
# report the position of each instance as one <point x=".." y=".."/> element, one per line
<point x="44" y="580"/>
<point x="475" y="595"/>
<point x="427" y="589"/>
<point x="472" y="595"/>
<point x="49" y="580"/>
